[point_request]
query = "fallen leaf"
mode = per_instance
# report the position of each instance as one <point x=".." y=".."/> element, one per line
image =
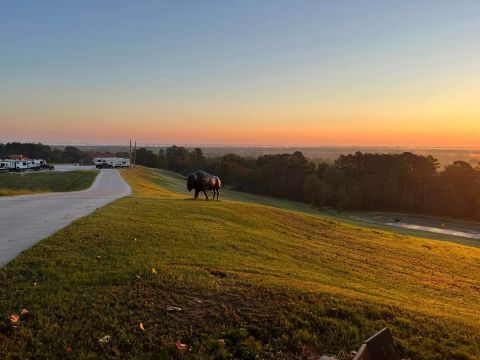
<point x="141" y="326"/>
<point x="198" y="301"/>
<point x="173" y="308"/>
<point x="104" y="339"/>
<point x="14" y="318"/>
<point x="154" y="271"/>
<point x="24" y="312"/>
<point x="180" y="346"/>
<point x="221" y="342"/>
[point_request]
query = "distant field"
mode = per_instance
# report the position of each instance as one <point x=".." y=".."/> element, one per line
<point x="252" y="281"/>
<point x="42" y="182"/>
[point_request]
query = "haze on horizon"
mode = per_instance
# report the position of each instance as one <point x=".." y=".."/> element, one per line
<point x="376" y="72"/>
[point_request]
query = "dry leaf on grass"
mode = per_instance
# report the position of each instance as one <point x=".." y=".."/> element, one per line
<point x="104" y="339"/>
<point x="141" y="326"/>
<point x="14" y="319"/>
<point x="154" y="271"/>
<point x="180" y="346"/>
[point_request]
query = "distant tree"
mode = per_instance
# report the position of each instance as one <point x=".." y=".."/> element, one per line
<point x="56" y="156"/>
<point x="235" y="171"/>
<point x="147" y="158"/>
<point x="197" y="158"/>
<point x="71" y="154"/>
<point x="162" y="161"/>
<point x="178" y="159"/>
<point x="315" y="191"/>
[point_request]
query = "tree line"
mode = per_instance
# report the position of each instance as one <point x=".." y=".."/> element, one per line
<point x="70" y="154"/>
<point x="361" y="181"/>
<point x="385" y="182"/>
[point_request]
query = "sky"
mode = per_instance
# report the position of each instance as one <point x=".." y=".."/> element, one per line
<point x="241" y="72"/>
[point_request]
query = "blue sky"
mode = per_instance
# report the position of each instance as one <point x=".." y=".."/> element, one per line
<point x="185" y="69"/>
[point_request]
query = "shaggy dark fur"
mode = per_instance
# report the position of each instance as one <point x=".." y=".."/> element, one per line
<point x="202" y="181"/>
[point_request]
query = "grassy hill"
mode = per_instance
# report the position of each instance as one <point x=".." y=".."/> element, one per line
<point x="253" y="281"/>
<point x="373" y="220"/>
<point x="41" y="182"/>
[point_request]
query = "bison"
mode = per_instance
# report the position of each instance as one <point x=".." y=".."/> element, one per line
<point x="202" y="181"/>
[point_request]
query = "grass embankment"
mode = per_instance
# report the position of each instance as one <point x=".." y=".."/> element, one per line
<point x="251" y="280"/>
<point x="373" y="220"/>
<point x="43" y="182"/>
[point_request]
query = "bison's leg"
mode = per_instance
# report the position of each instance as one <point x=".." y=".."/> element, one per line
<point x="217" y="193"/>
<point x="196" y="193"/>
<point x="206" y="195"/>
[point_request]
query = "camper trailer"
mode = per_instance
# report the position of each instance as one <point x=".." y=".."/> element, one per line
<point x="19" y="165"/>
<point x="4" y="166"/>
<point x="110" y="163"/>
<point x="102" y="163"/>
<point x="121" y="163"/>
<point x="40" y="164"/>
<point x="125" y="163"/>
<point x="24" y="165"/>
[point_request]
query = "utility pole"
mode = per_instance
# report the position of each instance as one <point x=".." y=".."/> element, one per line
<point x="130" y="154"/>
<point x="135" y="155"/>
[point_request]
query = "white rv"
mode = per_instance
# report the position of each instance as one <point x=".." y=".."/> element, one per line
<point x="101" y="163"/>
<point x="4" y="166"/>
<point x="39" y="164"/>
<point x="125" y="163"/>
<point x="109" y="162"/>
<point x="20" y="165"/>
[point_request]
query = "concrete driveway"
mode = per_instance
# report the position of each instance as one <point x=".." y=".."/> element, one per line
<point x="24" y="220"/>
<point x="72" y="167"/>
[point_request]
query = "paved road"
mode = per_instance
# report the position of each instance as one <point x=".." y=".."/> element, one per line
<point x="24" y="220"/>
<point x="72" y="167"/>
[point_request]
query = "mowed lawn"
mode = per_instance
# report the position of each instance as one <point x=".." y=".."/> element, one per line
<point x="42" y="182"/>
<point x="252" y="282"/>
<point x="374" y="220"/>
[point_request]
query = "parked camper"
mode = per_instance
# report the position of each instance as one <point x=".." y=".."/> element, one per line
<point x="40" y="164"/>
<point x="20" y="165"/>
<point x="31" y="165"/>
<point x="4" y="166"/>
<point x="103" y="163"/>
<point x="110" y="163"/>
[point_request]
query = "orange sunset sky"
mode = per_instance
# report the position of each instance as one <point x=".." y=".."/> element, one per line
<point x="242" y="72"/>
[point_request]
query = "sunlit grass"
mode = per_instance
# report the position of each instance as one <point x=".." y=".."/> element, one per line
<point x="284" y="284"/>
<point x="42" y="182"/>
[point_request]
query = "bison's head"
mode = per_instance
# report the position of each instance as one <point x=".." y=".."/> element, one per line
<point x="191" y="179"/>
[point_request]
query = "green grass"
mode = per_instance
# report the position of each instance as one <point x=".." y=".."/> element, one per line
<point x="272" y="284"/>
<point x="373" y="220"/>
<point x="43" y="182"/>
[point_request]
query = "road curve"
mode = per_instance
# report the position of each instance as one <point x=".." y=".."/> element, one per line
<point x="24" y="220"/>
